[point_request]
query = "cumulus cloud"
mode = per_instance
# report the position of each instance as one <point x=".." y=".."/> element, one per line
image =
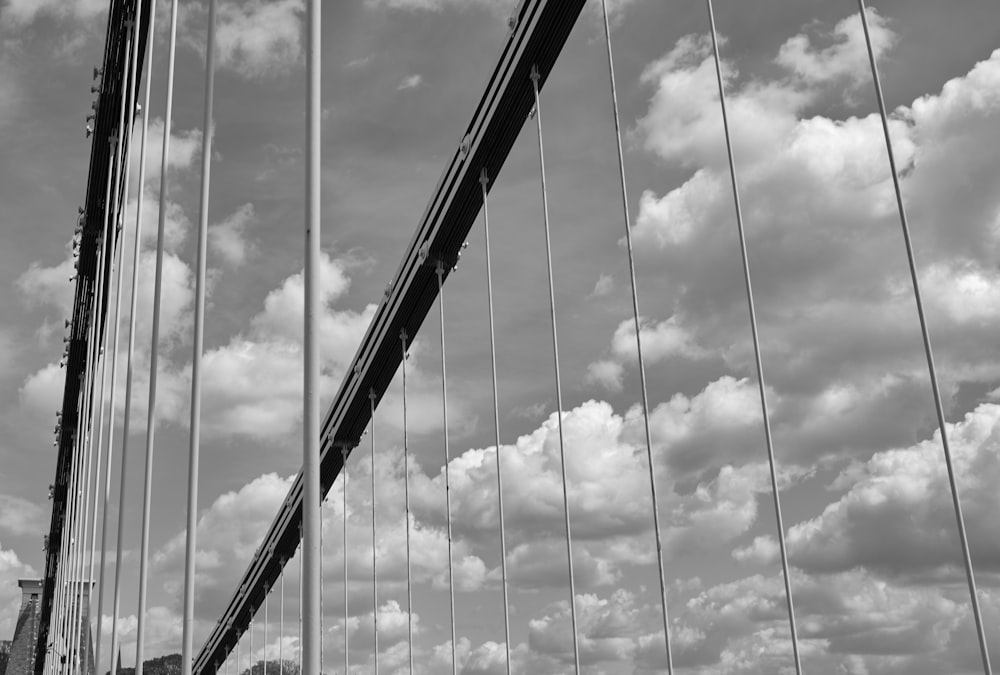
<point x="253" y="383"/>
<point x="24" y="12"/>
<point x="897" y="515"/>
<point x="185" y="148"/>
<point x="228" y="239"/>
<point x="835" y="307"/>
<point x="410" y="82"/>
<point x="255" y="39"/>
<point x="660" y="341"/>
<point x="20" y="516"/>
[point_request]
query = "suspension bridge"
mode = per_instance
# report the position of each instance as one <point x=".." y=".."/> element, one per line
<point x="80" y="537"/>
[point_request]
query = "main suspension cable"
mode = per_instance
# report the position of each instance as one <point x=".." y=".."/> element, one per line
<point x="638" y="344"/>
<point x="928" y="352"/>
<point x="447" y="461"/>
<point x="535" y="77"/>
<point x="756" y="345"/>
<point x="406" y="501"/>
<point x="484" y="181"/>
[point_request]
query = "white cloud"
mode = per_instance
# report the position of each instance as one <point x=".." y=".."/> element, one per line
<point x="660" y="341"/>
<point x="19" y="516"/>
<point x="604" y="286"/>
<point x="24" y="12"/>
<point x="606" y="373"/>
<point x="410" y="82"/>
<point x="897" y="516"/>
<point x="847" y="57"/>
<point x="762" y="551"/>
<point x="253" y="384"/>
<point x="835" y="307"/>
<point x="256" y="39"/>
<point x="185" y="148"/>
<point x="228" y="238"/>
<point x="49" y="286"/>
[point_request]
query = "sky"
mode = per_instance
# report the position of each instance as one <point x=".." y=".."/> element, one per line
<point x="876" y="569"/>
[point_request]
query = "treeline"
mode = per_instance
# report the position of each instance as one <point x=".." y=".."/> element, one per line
<point x="171" y="665"/>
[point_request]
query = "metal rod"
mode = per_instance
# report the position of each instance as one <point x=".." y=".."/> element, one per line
<point x="638" y="344"/>
<point x="447" y="462"/>
<point x="72" y="527"/>
<point x="484" y="181"/>
<point x="371" y="399"/>
<point x="155" y="349"/>
<point x="251" y="643"/>
<point x="281" y="624"/>
<point x="194" y="448"/>
<point x="312" y="496"/>
<point x="322" y="613"/>
<point x="122" y="141"/>
<point x="97" y="452"/>
<point x="266" y="593"/>
<point x="756" y="345"/>
<point x="928" y="353"/>
<point x="101" y="341"/>
<point x="300" y="600"/>
<point x="535" y="77"/>
<point x="343" y="472"/>
<point x="406" y="501"/>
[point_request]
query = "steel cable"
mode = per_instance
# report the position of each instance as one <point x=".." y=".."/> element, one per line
<point x="756" y="345"/>
<point x="535" y="77"/>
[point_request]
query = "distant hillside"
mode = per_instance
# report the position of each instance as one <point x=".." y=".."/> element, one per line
<point x="161" y="665"/>
<point x="171" y="665"/>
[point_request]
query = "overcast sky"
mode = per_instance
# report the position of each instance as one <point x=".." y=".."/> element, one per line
<point x="876" y="568"/>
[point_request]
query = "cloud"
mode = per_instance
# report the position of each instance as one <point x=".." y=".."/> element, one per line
<point x="410" y="82"/>
<point x="660" y="341"/>
<point x="227" y="239"/>
<point x="18" y="13"/>
<point x="229" y="531"/>
<point x="253" y="384"/>
<point x="897" y="516"/>
<point x="19" y="516"/>
<point x="846" y="58"/>
<point x="852" y="621"/>
<point x="837" y="324"/>
<point x="49" y="286"/>
<point x="606" y="373"/>
<point x="185" y="148"/>
<point x="604" y="286"/>
<point x="256" y="39"/>
<point x="762" y="551"/>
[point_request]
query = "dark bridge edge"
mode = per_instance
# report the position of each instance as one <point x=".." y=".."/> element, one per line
<point x="105" y="126"/>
